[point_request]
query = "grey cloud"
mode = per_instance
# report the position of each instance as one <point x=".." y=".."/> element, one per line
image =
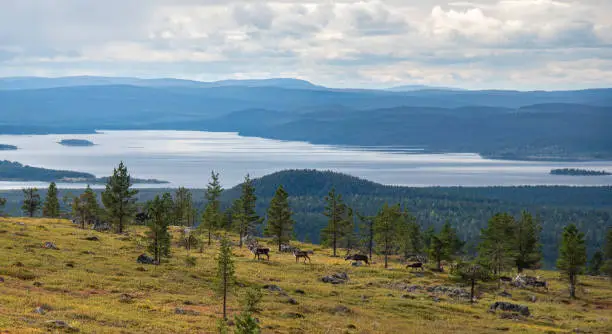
<point x="259" y="15"/>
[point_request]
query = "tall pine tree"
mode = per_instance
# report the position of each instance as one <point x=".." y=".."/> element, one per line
<point x="572" y="256"/>
<point x="246" y="218"/>
<point x="51" y="207"/>
<point x="118" y="198"/>
<point x="31" y="201"/>
<point x="366" y="233"/>
<point x="411" y="243"/>
<point x="498" y="243"/>
<point x="280" y="222"/>
<point x="225" y="272"/>
<point x="337" y="226"/>
<point x="387" y="225"/>
<point x="160" y="211"/>
<point x="183" y="207"/>
<point x="527" y="238"/>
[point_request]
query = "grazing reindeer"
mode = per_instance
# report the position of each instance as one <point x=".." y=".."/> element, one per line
<point x="258" y="251"/>
<point x="357" y="257"/>
<point x="298" y="254"/>
<point x="416" y="265"/>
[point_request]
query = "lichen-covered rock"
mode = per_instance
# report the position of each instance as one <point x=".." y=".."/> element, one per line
<point x="337" y="278"/>
<point x="509" y="307"/>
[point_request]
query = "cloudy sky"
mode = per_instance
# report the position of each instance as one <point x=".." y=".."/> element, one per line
<point x="518" y="44"/>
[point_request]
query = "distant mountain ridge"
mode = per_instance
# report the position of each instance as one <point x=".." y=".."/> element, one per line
<point x="537" y="125"/>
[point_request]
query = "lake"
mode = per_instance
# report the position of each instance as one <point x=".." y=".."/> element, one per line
<point x="186" y="158"/>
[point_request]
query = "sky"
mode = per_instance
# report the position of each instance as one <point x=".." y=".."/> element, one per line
<point x="503" y="44"/>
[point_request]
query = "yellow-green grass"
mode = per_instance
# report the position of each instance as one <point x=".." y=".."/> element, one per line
<point x="88" y="295"/>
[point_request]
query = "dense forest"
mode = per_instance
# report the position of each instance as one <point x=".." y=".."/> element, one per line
<point x="15" y="171"/>
<point x="466" y="209"/>
<point x="75" y="142"/>
<point x="568" y="125"/>
<point x="578" y="172"/>
<point x="5" y="147"/>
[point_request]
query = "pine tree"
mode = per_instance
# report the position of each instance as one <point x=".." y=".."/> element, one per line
<point x="280" y="222"/>
<point x="160" y="213"/>
<point x="2" y="204"/>
<point x="411" y="243"/>
<point x="438" y="251"/>
<point x="85" y="207"/>
<point x="451" y="240"/>
<point x="246" y="324"/>
<point x="246" y="218"/>
<point x="213" y="192"/>
<point x="366" y="233"/>
<point x="51" y="207"/>
<point x="350" y="238"/>
<point x="118" y="198"/>
<point x="527" y="237"/>
<point x="596" y="263"/>
<point x="471" y="273"/>
<point x="498" y="243"/>
<point x="183" y="207"/>
<point x="225" y="272"/>
<point x="386" y="227"/>
<point x="572" y="256"/>
<point x="31" y="201"/>
<point x="607" y="254"/>
<point x="209" y="222"/>
<point x="337" y="226"/>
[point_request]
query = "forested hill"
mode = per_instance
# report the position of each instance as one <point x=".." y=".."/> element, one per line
<point x="567" y="125"/>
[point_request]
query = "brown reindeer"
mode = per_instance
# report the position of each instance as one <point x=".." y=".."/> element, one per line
<point x="298" y="254"/>
<point x="357" y="257"/>
<point x="258" y="251"/>
<point x="416" y="265"/>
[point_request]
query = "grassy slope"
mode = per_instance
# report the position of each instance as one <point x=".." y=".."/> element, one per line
<point x="88" y="295"/>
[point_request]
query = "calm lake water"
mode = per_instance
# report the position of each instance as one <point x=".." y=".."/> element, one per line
<point x="185" y="158"/>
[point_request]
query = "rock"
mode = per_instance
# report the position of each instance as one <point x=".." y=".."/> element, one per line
<point x="145" y="259"/>
<point x="364" y="298"/>
<point x="125" y="298"/>
<point x="141" y="269"/>
<point x="435" y="299"/>
<point x="533" y="298"/>
<point x="1" y="279"/>
<point x="449" y="291"/>
<point x="503" y="329"/>
<point x="337" y="278"/>
<point x="18" y="264"/>
<point x="333" y="293"/>
<point x="300" y="291"/>
<point x="50" y="245"/>
<point x="356" y="264"/>
<point x="60" y="324"/>
<point x="390" y="295"/>
<point x="292" y="315"/>
<point x="509" y="307"/>
<point x="408" y="297"/>
<point x="37" y="284"/>
<point x="510" y="316"/>
<point x="188" y="302"/>
<point x="100" y="226"/>
<point x="292" y="301"/>
<point x="341" y="309"/>
<point x="181" y="311"/>
<point x="70" y="265"/>
<point x="272" y="287"/>
<point x="92" y="238"/>
<point x="505" y="294"/>
<point x="40" y="310"/>
<point x="230" y="323"/>
<point x="351" y="326"/>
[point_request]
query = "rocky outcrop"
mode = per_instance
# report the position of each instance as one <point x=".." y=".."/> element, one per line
<point x="509" y="307"/>
<point x="337" y="278"/>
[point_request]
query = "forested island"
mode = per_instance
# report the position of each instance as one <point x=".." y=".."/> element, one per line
<point x="76" y="142"/>
<point x="15" y="171"/>
<point x="4" y="147"/>
<point x="578" y="172"/>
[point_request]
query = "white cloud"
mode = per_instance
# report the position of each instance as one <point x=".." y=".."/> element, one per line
<point x="485" y="43"/>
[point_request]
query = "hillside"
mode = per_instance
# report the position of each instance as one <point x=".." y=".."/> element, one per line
<point x="468" y="209"/>
<point x="97" y="286"/>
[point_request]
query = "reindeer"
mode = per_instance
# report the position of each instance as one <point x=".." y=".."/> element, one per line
<point x="416" y="265"/>
<point x="357" y="257"/>
<point x="258" y="251"/>
<point x="298" y="254"/>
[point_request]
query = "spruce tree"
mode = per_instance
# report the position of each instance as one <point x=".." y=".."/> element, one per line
<point x="280" y="222"/>
<point x="607" y="254"/>
<point x="225" y="272"/>
<point x="596" y="263"/>
<point x="366" y="233"/>
<point x="213" y="192"/>
<point x="246" y="218"/>
<point x="572" y="256"/>
<point x="498" y="243"/>
<point x="445" y="245"/>
<point x="412" y="243"/>
<point x="527" y="238"/>
<point x="118" y="198"/>
<point x="31" y="201"/>
<point x="386" y="227"/>
<point x="183" y="207"/>
<point x="337" y="226"/>
<point x="209" y="222"/>
<point x="51" y="207"/>
<point x="159" y="211"/>
<point x="438" y="251"/>
<point x="471" y="273"/>
<point x="92" y="208"/>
